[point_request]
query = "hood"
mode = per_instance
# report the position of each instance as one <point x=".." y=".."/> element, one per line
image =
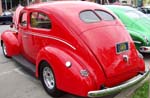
<point x="103" y="42"/>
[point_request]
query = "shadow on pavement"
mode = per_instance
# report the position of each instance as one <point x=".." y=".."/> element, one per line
<point x="32" y="77"/>
<point x="72" y="96"/>
<point x="146" y="55"/>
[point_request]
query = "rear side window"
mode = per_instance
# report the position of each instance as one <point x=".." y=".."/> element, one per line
<point x="40" y="20"/>
<point x="89" y="17"/>
<point x="104" y="15"/>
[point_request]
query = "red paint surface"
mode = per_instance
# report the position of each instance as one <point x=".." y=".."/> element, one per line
<point x="87" y="46"/>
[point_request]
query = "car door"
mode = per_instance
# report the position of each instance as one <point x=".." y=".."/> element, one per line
<point x="39" y="28"/>
<point x="25" y="37"/>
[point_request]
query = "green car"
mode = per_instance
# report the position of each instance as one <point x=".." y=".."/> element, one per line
<point x="137" y="24"/>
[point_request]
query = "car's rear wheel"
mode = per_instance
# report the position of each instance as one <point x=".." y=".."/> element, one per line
<point x="4" y="50"/>
<point x="48" y="80"/>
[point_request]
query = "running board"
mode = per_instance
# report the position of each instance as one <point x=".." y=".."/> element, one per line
<point x="21" y="60"/>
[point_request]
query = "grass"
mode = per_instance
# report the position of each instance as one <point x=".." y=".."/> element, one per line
<point x="142" y="92"/>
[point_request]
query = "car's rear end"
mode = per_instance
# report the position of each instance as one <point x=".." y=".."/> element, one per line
<point x="110" y="44"/>
<point x="115" y="51"/>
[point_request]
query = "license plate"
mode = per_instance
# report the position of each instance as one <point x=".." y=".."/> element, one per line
<point x="121" y="47"/>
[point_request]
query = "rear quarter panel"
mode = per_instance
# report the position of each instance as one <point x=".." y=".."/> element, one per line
<point x="68" y="79"/>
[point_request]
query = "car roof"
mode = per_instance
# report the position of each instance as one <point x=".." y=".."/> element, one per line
<point x="67" y="12"/>
<point x="119" y="7"/>
<point x="65" y="6"/>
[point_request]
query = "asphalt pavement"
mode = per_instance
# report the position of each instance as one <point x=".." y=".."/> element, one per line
<point x="16" y="82"/>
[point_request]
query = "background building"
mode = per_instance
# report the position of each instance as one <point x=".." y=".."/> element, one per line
<point x="12" y="4"/>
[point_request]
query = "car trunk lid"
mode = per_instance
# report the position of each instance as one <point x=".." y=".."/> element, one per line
<point x="114" y="50"/>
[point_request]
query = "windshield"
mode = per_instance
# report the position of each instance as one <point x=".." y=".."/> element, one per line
<point x="6" y="13"/>
<point x="135" y="14"/>
<point x="146" y="10"/>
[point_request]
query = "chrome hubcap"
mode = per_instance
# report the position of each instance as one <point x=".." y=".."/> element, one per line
<point x="48" y="78"/>
<point x="4" y="49"/>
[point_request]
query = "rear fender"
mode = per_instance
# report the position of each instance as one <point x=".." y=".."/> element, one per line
<point x="68" y="79"/>
<point x="136" y="36"/>
<point x="11" y="42"/>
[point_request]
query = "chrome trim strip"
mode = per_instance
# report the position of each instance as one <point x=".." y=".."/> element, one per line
<point x="119" y="88"/>
<point x="141" y="49"/>
<point x="137" y="42"/>
<point x="54" y="38"/>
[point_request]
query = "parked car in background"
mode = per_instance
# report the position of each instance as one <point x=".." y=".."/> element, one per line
<point x="6" y="17"/>
<point x="145" y="10"/>
<point x="76" y="47"/>
<point x="137" y="24"/>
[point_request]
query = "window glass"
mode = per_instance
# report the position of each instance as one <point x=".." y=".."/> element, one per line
<point x="89" y="17"/>
<point x="40" y="20"/>
<point x="44" y="0"/>
<point x="135" y="14"/>
<point x="23" y="20"/>
<point x="105" y="16"/>
<point x="148" y="11"/>
<point x="33" y="19"/>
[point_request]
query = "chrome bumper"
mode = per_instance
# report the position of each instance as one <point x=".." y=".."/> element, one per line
<point x="118" y="88"/>
<point x="144" y="49"/>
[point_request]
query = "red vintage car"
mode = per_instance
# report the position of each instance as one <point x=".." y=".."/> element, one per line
<point x="75" y="47"/>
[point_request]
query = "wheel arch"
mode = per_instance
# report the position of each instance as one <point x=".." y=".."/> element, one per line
<point x="55" y="58"/>
<point x="138" y="38"/>
<point x="12" y="44"/>
<point x="39" y="66"/>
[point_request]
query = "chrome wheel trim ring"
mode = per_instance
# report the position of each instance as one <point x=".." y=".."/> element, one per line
<point x="48" y="78"/>
<point x="4" y="49"/>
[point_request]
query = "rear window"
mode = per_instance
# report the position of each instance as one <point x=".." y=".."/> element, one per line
<point x="89" y="17"/>
<point x="105" y="16"/>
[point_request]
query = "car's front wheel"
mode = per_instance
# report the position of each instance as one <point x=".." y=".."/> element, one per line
<point x="48" y="80"/>
<point x="4" y="50"/>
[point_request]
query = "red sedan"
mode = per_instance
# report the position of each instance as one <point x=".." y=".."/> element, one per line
<point x="76" y="47"/>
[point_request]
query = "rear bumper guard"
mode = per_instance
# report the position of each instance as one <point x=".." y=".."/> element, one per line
<point x="109" y="91"/>
<point x="144" y="49"/>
